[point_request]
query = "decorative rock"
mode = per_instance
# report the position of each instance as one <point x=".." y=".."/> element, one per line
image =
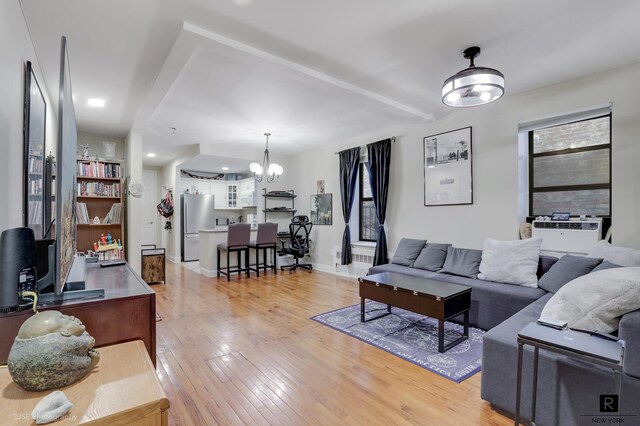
<point x="51" y="408"/>
<point x="51" y="350"/>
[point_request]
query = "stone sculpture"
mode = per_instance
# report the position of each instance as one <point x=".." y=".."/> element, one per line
<point x="51" y="350"/>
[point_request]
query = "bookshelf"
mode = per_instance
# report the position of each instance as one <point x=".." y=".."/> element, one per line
<point x="99" y="193"/>
<point x="286" y="196"/>
<point x="35" y="192"/>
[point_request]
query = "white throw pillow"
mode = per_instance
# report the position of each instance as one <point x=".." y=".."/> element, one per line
<point x="596" y="301"/>
<point x="512" y="262"/>
<point x="619" y="255"/>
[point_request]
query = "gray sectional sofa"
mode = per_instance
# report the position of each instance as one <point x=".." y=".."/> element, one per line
<point x="568" y="390"/>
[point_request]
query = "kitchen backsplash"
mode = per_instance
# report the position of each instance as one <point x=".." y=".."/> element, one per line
<point x="234" y="215"/>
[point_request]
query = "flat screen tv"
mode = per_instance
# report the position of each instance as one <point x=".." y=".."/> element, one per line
<point x="66" y="175"/>
<point x="68" y="273"/>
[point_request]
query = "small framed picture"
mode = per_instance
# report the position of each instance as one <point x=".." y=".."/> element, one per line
<point x="321" y="209"/>
<point x="560" y="216"/>
<point x="320" y="188"/>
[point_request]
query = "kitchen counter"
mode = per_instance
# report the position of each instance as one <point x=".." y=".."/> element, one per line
<point x="207" y="250"/>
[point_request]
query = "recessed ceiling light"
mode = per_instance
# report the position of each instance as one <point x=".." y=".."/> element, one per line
<point x="151" y="155"/>
<point x="224" y="169"/>
<point x="96" y="102"/>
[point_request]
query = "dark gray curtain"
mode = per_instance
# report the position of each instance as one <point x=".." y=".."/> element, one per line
<point x="348" y="175"/>
<point x="379" y="161"/>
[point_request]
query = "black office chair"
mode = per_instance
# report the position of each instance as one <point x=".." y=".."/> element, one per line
<point x="299" y="230"/>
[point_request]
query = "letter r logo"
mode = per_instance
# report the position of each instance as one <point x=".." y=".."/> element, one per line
<point x="608" y="403"/>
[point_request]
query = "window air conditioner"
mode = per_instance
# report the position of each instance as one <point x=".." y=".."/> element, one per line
<point x="567" y="236"/>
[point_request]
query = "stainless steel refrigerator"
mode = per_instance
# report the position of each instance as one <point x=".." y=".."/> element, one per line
<point x="197" y="213"/>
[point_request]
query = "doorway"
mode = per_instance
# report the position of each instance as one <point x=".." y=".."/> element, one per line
<point x="149" y="201"/>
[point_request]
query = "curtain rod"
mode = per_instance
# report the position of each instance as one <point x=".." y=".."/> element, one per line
<point x="393" y="140"/>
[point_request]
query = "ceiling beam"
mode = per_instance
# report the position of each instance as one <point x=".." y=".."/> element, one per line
<point x="304" y="70"/>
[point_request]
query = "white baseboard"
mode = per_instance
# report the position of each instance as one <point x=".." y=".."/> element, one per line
<point x="331" y="269"/>
<point x="208" y="273"/>
<point x="174" y="259"/>
<point x="324" y="268"/>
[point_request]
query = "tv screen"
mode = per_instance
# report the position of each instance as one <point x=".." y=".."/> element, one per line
<point x="66" y="175"/>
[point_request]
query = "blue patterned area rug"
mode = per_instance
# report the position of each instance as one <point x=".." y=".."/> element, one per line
<point x="411" y="336"/>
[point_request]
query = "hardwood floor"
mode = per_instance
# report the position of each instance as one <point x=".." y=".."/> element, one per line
<point x="246" y="352"/>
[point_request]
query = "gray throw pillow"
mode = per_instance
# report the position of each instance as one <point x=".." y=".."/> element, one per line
<point x="407" y="251"/>
<point x="463" y="262"/>
<point x="544" y="264"/>
<point x="605" y="265"/>
<point x="432" y="257"/>
<point x="566" y="269"/>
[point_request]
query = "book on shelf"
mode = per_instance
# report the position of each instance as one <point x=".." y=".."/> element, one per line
<point x="82" y="213"/>
<point x="98" y="189"/>
<point x="99" y="169"/>
<point x="35" y="165"/>
<point x="114" y="215"/>
<point x="35" y="212"/>
<point x="35" y="186"/>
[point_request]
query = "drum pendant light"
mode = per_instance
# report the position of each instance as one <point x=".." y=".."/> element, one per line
<point x="474" y="85"/>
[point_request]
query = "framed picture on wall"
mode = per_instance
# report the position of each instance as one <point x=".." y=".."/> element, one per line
<point x="448" y="171"/>
<point x="34" y="129"/>
<point x="321" y="209"/>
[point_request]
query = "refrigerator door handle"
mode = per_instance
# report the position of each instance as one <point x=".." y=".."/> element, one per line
<point x="184" y="215"/>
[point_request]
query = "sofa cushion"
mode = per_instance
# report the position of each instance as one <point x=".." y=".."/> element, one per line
<point x="432" y="257"/>
<point x="605" y="265"/>
<point x="513" y="262"/>
<point x="407" y="251"/>
<point x="619" y="255"/>
<point x="463" y="262"/>
<point x="596" y="301"/>
<point x="567" y="268"/>
<point x="491" y="302"/>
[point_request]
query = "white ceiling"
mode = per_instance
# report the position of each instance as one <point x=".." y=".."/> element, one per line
<point x="308" y="72"/>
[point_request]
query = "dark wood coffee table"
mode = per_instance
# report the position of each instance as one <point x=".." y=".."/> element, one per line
<point x="436" y="299"/>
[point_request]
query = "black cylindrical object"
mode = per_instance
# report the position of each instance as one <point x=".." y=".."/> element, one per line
<point x="17" y="250"/>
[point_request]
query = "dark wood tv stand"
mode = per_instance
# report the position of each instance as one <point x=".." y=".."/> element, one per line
<point x="127" y="311"/>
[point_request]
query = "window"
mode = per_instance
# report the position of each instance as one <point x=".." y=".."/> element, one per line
<point x="368" y="219"/>
<point x="570" y="168"/>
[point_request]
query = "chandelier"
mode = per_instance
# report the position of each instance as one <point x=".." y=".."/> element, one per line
<point x="474" y="85"/>
<point x="274" y="170"/>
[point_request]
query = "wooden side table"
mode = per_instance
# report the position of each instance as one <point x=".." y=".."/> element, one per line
<point x="123" y="389"/>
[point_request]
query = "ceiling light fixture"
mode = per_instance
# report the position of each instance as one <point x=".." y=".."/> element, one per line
<point x="474" y="85"/>
<point x="96" y="102"/>
<point x="274" y="170"/>
<point x="225" y="168"/>
<point x="151" y="155"/>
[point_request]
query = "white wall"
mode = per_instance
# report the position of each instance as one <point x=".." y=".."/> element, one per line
<point x="155" y="199"/>
<point x="95" y="144"/>
<point x="494" y="212"/>
<point x="133" y="156"/>
<point x="16" y="48"/>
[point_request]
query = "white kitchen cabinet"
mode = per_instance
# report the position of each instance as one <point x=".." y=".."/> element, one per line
<point x="185" y="185"/>
<point x="247" y="192"/>
<point x="195" y="186"/>
<point x="232" y="195"/>
<point x="203" y="187"/>
<point x="219" y="191"/>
